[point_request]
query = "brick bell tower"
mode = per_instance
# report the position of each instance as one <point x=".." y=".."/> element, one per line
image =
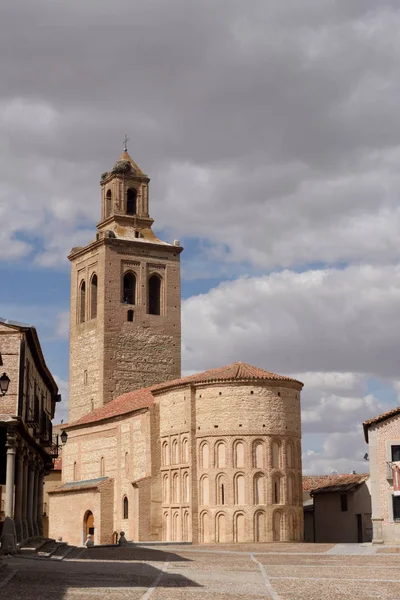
<point x="125" y="321"/>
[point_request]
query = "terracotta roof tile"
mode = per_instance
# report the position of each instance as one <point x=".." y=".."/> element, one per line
<point x="331" y="483"/>
<point x="237" y="371"/>
<point x="390" y="413"/>
<point x="74" y="486"/>
<point x="122" y="405"/>
<point x="125" y="156"/>
<point x="143" y="398"/>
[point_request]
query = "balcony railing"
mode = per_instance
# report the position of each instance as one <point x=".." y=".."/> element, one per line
<point x="32" y="413"/>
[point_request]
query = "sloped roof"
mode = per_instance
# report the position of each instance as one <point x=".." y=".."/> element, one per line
<point x="390" y="413"/>
<point x="127" y="403"/>
<point x="125" y="156"/>
<point x="237" y="371"/>
<point x="36" y="349"/>
<point x="75" y="486"/>
<point x="132" y="401"/>
<point x="322" y="484"/>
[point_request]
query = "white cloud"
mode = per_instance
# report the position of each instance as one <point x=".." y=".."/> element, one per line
<point x="329" y="320"/>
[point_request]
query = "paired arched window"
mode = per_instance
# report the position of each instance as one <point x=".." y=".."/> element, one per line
<point x="220" y="455"/>
<point x="259" y="488"/>
<point x="276" y="490"/>
<point x="93" y="296"/>
<point x="108" y="203"/>
<point x="155" y="295"/>
<point x="175" y="455"/>
<point x="185" y="487"/>
<point x="82" y="302"/>
<point x="166" y="488"/>
<point x="165" y="454"/>
<point x="276" y="454"/>
<point x="175" y="487"/>
<point x="239" y="489"/>
<point x="204" y="455"/>
<point x="131" y="201"/>
<point x="238" y="455"/>
<point x="204" y="491"/>
<point x="258" y="455"/>
<point x="289" y="456"/>
<point x="126" y="508"/>
<point x="185" y="450"/>
<point x="221" y="489"/>
<point x="129" y="289"/>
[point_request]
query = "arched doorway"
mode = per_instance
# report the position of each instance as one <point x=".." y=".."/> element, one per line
<point x="88" y="525"/>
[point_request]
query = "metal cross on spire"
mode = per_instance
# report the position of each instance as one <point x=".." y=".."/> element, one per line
<point x="126" y="140"/>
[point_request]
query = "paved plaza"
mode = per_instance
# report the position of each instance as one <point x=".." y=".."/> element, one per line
<point x="275" y="571"/>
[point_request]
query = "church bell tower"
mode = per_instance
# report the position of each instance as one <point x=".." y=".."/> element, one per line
<point x="125" y="319"/>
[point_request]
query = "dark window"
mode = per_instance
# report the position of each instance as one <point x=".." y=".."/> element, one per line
<point x="108" y="203"/>
<point x="154" y="295"/>
<point x="343" y="502"/>
<point x="276" y="492"/>
<point x="82" y="302"/>
<point x="395" y="453"/>
<point x="130" y="315"/>
<point x="396" y="508"/>
<point x="126" y="507"/>
<point x="129" y="291"/>
<point x="131" y="201"/>
<point x="93" y="297"/>
<point x="222" y="494"/>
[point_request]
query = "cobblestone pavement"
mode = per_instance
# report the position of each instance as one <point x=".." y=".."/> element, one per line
<point x="274" y="571"/>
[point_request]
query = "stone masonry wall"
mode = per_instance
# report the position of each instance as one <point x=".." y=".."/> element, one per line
<point x="10" y="341"/>
<point x="248" y="461"/>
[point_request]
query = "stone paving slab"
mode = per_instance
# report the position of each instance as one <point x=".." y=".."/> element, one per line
<point x="206" y="572"/>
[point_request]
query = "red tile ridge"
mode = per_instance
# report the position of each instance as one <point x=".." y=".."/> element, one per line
<point x="378" y="419"/>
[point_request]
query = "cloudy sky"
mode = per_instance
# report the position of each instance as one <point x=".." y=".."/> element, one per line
<point x="271" y="134"/>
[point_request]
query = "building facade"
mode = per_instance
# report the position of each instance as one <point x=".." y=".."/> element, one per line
<point x="214" y="457"/>
<point x="341" y="508"/>
<point x="125" y="323"/>
<point x="382" y="433"/>
<point x="26" y="439"/>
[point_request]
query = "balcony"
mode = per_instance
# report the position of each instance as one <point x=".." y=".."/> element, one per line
<point x="32" y="413"/>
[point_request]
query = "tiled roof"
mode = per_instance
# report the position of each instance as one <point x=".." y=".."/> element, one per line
<point x="390" y="413"/>
<point x="132" y="401"/>
<point x="237" y="371"/>
<point x="74" y="486"/>
<point x="122" y="405"/>
<point x="125" y="156"/>
<point x="319" y="484"/>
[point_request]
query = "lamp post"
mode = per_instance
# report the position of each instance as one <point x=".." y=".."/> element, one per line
<point x="64" y="437"/>
<point x="4" y="383"/>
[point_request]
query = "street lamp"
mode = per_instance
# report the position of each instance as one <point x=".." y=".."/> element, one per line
<point x="64" y="436"/>
<point x="4" y="383"/>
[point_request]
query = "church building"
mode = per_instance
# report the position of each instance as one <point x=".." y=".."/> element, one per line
<point x="212" y="457"/>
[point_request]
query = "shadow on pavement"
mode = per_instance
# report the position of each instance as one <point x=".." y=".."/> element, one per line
<point x="53" y="580"/>
<point x="130" y="553"/>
